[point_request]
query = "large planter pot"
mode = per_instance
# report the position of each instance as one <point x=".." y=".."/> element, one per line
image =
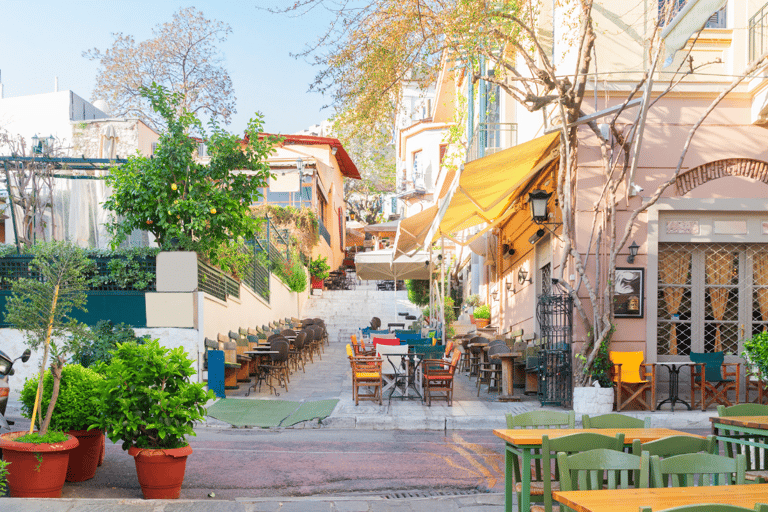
<point x="160" y="472"/>
<point x="482" y="322"/>
<point x="592" y="400"/>
<point x="36" y="470"/>
<point x="84" y="459"/>
<point x="317" y="283"/>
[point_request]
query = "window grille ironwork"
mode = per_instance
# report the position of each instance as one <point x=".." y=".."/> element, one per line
<point x="554" y="311"/>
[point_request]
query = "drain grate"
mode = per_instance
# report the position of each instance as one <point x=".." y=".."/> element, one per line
<point x="399" y="495"/>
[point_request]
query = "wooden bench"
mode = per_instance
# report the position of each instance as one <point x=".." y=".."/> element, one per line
<point x="231" y="366"/>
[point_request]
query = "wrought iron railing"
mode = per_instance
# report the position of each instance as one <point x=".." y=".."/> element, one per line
<point x="758" y="33"/>
<point x="211" y="281"/>
<point x="489" y="138"/>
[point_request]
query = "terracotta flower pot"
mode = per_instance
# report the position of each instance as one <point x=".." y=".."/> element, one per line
<point x="103" y="449"/>
<point x="482" y="322"/>
<point x="160" y="472"/>
<point x="84" y="459"/>
<point x="36" y="470"/>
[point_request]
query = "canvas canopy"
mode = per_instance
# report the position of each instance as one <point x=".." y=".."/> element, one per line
<point x="374" y="265"/>
<point x="383" y="229"/>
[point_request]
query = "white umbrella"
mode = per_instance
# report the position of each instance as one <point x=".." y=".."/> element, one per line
<point x="373" y="265"/>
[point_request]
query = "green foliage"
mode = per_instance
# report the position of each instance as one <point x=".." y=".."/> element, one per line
<point x="600" y="370"/>
<point x="126" y="268"/>
<point x="147" y="399"/>
<point x="418" y="291"/>
<point x="48" y="437"/>
<point x="483" y="312"/>
<point x="77" y="401"/>
<point x="3" y="476"/>
<point x="294" y="274"/>
<point x="188" y="205"/>
<point x="472" y="300"/>
<point x="98" y="342"/>
<point x="7" y="250"/>
<point x="318" y="268"/>
<point x="450" y="313"/>
<point x="233" y="258"/>
<point x="756" y="351"/>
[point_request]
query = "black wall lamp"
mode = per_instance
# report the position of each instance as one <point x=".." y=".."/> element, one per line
<point x="538" y="200"/>
<point x="632" y="252"/>
<point x="522" y="276"/>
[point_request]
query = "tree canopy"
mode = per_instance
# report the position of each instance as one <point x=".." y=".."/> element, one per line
<point x="181" y="56"/>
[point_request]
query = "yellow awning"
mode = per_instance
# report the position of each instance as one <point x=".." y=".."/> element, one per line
<point x="488" y="186"/>
<point x="413" y="230"/>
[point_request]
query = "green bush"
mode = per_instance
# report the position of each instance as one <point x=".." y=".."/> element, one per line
<point x="147" y="399"/>
<point x="418" y="291"/>
<point x="77" y="400"/>
<point x="3" y="476"/>
<point x="294" y="275"/>
<point x="483" y="312"/>
<point x="318" y="268"/>
<point x="756" y="351"/>
<point x="99" y="342"/>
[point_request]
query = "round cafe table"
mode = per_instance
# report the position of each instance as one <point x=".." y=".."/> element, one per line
<point x="674" y="384"/>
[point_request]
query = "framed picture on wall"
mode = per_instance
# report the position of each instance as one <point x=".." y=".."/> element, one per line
<point x="629" y="291"/>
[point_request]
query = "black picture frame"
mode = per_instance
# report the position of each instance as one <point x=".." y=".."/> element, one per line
<point x="629" y="292"/>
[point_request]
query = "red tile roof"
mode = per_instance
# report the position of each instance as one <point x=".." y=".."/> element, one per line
<point x="346" y="165"/>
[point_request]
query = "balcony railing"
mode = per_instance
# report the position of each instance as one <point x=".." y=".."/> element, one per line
<point x="758" y="33"/>
<point x="489" y="138"/>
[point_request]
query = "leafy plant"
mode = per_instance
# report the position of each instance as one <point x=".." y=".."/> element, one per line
<point x="418" y="291"/>
<point x="37" y="438"/>
<point x="294" y="275"/>
<point x="483" y="312"/>
<point x="186" y="204"/>
<point x="472" y="300"/>
<point x="3" y="476"/>
<point x="77" y="400"/>
<point x="756" y="352"/>
<point x="147" y="399"/>
<point x="450" y="313"/>
<point x="40" y="307"/>
<point x="318" y="268"/>
<point x="98" y="343"/>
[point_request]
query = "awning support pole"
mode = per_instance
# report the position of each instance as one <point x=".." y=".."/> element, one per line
<point x="442" y="284"/>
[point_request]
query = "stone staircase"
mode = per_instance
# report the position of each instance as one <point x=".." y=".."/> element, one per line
<point x="344" y="311"/>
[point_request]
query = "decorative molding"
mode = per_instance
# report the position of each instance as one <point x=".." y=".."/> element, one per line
<point x="755" y="169"/>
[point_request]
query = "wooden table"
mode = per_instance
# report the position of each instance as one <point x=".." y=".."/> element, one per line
<point x="747" y="431"/>
<point x="508" y="375"/>
<point x="630" y="500"/>
<point x="522" y="443"/>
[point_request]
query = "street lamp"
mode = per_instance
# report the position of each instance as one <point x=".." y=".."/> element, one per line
<point x="632" y="252"/>
<point x="538" y="200"/>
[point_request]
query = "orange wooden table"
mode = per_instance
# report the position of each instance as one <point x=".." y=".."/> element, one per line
<point x="630" y="500"/>
<point x="522" y="443"/>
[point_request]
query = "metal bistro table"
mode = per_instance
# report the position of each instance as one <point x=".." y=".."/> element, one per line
<point x="629" y="500"/>
<point x="674" y="384"/>
<point x="410" y="364"/>
<point x="523" y="443"/>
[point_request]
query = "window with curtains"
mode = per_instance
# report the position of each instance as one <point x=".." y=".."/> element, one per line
<point x="711" y="296"/>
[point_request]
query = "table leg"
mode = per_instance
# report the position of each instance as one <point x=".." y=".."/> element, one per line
<point x="525" y="492"/>
<point x="674" y="387"/>
<point x="507" y="381"/>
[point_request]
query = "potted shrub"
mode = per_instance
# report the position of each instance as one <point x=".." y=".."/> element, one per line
<point x="756" y="355"/>
<point x="40" y="307"/>
<point x="77" y="403"/>
<point x="149" y="403"/>
<point x="482" y="316"/>
<point x="318" y="270"/>
<point x="599" y="397"/>
<point x="471" y="303"/>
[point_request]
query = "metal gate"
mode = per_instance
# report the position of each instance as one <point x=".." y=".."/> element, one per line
<point x="554" y="311"/>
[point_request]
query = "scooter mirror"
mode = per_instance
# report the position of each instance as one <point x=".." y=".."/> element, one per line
<point x="25" y="356"/>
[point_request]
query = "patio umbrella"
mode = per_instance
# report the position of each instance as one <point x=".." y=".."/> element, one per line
<point x="373" y="265"/>
<point x="383" y="229"/>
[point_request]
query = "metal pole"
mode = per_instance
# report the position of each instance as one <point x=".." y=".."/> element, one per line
<point x="431" y="288"/>
<point x="13" y="210"/>
<point x="442" y="284"/>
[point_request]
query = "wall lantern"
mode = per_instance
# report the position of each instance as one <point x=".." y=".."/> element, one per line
<point x="508" y="284"/>
<point x="42" y="145"/>
<point x="522" y="276"/>
<point x="632" y="252"/>
<point x="495" y="295"/>
<point x="538" y="200"/>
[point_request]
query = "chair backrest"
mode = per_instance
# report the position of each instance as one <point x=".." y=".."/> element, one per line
<point x="288" y="332"/>
<point x="710" y="507"/>
<point x="713" y="362"/>
<point x="630" y="365"/>
<point x="234" y="336"/>
<point x="300" y="340"/>
<point x="498" y="349"/>
<point x="449" y="348"/>
<point x="391" y="364"/>
<point x="384" y="341"/>
<point x="407" y="335"/>
<point x="350" y="351"/>
<point x="614" y="420"/>
<point x="367" y="365"/>
<point x="697" y="469"/>
<point x="675" y="445"/>
<point x="274" y="337"/>
<point x="427" y="352"/>
<point x="281" y="346"/>
<point x="542" y="419"/>
<point x="603" y="469"/>
<point x="478" y="339"/>
<point x="743" y="410"/>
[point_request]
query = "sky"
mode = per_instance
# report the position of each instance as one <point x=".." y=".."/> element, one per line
<point x="45" y="39"/>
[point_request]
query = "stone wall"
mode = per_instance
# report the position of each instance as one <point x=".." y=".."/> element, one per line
<point x="92" y="138"/>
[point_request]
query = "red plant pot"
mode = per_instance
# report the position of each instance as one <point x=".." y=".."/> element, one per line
<point x="36" y="470"/>
<point x="317" y="283"/>
<point x="160" y="472"/>
<point x="84" y="459"/>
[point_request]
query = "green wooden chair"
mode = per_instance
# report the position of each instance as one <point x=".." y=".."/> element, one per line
<point x="697" y="469"/>
<point x="757" y="458"/>
<point x="710" y="507"/>
<point x="676" y="445"/>
<point x="602" y="469"/>
<point x="537" y="419"/>
<point x="614" y="420"/>
<point x="574" y="443"/>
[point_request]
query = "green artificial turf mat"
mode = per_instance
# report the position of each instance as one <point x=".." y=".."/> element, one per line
<point x="252" y="413"/>
<point x="311" y="410"/>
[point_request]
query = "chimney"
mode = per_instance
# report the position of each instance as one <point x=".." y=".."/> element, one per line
<point x="56" y="85"/>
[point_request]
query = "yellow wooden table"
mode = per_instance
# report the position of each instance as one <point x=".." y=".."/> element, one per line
<point x="522" y="443"/>
<point x="630" y="500"/>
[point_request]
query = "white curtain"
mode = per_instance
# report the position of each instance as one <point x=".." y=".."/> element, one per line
<point x="79" y="215"/>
